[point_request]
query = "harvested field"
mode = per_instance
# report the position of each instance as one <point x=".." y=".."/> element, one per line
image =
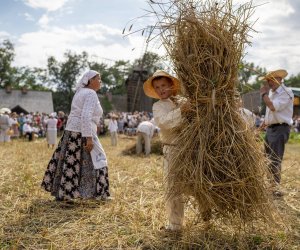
<point x="31" y="219"/>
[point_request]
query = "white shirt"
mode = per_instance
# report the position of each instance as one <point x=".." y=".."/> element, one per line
<point x="166" y="116"/>
<point x="113" y="125"/>
<point x="282" y="99"/>
<point x="27" y="128"/>
<point x="4" y="121"/>
<point x="51" y="124"/>
<point x="85" y="112"/>
<point x="147" y="128"/>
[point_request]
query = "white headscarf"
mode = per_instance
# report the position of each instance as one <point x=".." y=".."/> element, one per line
<point x="85" y="78"/>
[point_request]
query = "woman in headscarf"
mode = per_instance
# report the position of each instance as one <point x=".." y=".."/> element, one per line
<point x="78" y="167"/>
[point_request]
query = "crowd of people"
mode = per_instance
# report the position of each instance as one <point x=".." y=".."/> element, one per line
<point x="31" y="125"/>
<point x="38" y="125"/>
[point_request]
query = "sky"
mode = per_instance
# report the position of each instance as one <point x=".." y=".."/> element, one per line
<point x="42" y="28"/>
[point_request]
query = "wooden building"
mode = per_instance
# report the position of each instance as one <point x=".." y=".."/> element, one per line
<point x="26" y="101"/>
<point x="136" y="98"/>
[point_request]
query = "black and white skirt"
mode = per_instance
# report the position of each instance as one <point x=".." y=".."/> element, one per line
<point x="70" y="173"/>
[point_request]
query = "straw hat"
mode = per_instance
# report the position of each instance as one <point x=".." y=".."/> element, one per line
<point x="282" y="73"/>
<point x="148" y="87"/>
<point x="5" y="110"/>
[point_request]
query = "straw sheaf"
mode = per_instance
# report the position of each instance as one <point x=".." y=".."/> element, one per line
<point x="216" y="158"/>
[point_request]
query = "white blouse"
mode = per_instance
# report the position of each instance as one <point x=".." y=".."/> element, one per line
<point x="86" y="112"/>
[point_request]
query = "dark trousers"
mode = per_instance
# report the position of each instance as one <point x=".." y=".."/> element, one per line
<point x="276" y="138"/>
<point x="30" y="135"/>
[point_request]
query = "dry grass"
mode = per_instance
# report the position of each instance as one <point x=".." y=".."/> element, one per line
<point x="31" y="219"/>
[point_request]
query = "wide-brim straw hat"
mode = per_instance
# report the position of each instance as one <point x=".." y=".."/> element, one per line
<point x="149" y="89"/>
<point x="282" y="73"/>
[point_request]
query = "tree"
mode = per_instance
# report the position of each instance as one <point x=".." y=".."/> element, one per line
<point x="62" y="77"/>
<point x="102" y="68"/>
<point x="34" y="79"/>
<point x="249" y="75"/>
<point x="113" y="78"/>
<point x="7" y="71"/>
<point x="149" y="61"/>
<point x="293" y="81"/>
<point x="120" y="71"/>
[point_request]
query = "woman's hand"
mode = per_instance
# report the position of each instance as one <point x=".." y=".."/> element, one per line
<point x="89" y="144"/>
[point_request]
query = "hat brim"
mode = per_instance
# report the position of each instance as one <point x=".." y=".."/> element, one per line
<point x="149" y="89"/>
<point x="282" y="73"/>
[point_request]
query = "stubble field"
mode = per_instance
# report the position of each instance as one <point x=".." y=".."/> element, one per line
<point x="31" y="219"/>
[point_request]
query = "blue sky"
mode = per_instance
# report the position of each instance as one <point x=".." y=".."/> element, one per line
<point x="43" y="28"/>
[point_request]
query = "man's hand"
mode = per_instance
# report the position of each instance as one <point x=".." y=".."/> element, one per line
<point x="264" y="90"/>
<point x="89" y="144"/>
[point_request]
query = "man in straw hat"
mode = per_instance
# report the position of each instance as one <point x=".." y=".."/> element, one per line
<point x="278" y="118"/>
<point x="167" y="115"/>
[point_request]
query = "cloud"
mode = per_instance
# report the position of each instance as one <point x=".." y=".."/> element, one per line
<point x="49" y="5"/>
<point x="4" y="35"/>
<point x="28" y="17"/>
<point x="33" y="49"/>
<point x="276" y="43"/>
<point x="44" y="20"/>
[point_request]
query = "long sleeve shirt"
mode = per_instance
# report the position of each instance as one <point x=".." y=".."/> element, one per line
<point x="4" y="122"/>
<point x="113" y="126"/>
<point x="282" y="99"/>
<point x="147" y="128"/>
<point x="86" y="112"/>
<point x="166" y="116"/>
<point x="27" y="128"/>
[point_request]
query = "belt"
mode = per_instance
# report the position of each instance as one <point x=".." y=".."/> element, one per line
<point x="278" y="124"/>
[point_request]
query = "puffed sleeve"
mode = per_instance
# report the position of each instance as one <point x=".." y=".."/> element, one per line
<point x="164" y="118"/>
<point x="90" y="102"/>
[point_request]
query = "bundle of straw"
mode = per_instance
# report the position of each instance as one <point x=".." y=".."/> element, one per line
<point x="216" y="159"/>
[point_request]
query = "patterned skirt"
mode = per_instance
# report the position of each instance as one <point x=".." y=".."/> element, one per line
<point x="70" y="173"/>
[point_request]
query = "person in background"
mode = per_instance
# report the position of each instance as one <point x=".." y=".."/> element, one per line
<point x="278" y="119"/>
<point x="78" y="167"/>
<point x="21" y="121"/>
<point x="51" y="126"/>
<point x="248" y="116"/>
<point x="28" y="130"/>
<point x="4" y="127"/>
<point x="113" y="129"/>
<point x="14" y="125"/>
<point x="145" y="131"/>
<point x="121" y="124"/>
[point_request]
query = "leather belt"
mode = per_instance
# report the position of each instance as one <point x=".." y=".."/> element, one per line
<point x="278" y="124"/>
